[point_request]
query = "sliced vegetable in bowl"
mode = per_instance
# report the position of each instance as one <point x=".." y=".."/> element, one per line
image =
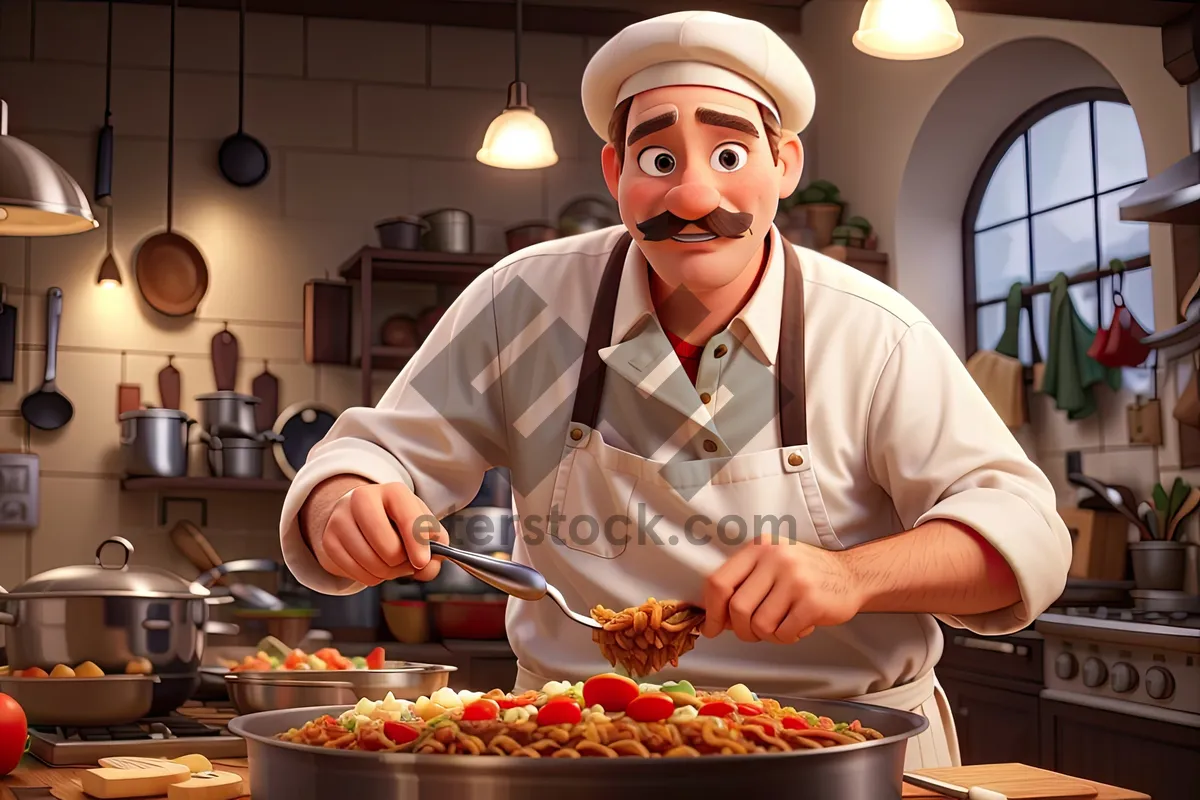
<point x="327" y="658"/>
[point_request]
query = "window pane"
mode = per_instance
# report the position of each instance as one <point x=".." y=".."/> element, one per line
<point x="1064" y="240"/>
<point x="1041" y="323"/>
<point x="1120" y="155"/>
<point x="1004" y="199"/>
<point x="990" y="326"/>
<point x="1001" y="259"/>
<point x="1060" y="153"/>
<point x="1118" y="239"/>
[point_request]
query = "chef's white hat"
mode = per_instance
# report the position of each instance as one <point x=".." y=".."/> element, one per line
<point x="699" y="48"/>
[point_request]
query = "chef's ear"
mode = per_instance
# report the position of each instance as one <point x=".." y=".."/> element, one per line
<point x="791" y="161"/>
<point x="611" y="164"/>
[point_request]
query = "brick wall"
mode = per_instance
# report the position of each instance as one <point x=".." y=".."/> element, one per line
<point x="363" y="121"/>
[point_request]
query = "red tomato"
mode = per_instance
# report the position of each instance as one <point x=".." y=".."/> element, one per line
<point x="506" y="703"/>
<point x="610" y="691"/>
<point x="717" y="708"/>
<point x="400" y="732"/>
<point x="651" y="707"/>
<point x="749" y="709"/>
<point x="795" y="723"/>
<point x="13" y="734"/>
<point x="559" y="710"/>
<point x="376" y="658"/>
<point x="481" y="709"/>
<point x="295" y="659"/>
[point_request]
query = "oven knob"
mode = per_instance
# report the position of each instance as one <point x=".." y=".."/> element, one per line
<point x="1124" y="678"/>
<point x="1066" y="666"/>
<point x="1094" y="673"/>
<point x="1160" y="685"/>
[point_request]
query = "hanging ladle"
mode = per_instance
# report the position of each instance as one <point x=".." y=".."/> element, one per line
<point x="243" y="159"/>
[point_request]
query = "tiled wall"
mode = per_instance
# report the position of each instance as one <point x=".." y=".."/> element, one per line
<point x="363" y="121"/>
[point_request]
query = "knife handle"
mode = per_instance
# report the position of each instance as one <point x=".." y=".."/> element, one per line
<point x="980" y="793"/>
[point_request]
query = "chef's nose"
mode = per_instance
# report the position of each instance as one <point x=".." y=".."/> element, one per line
<point x="692" y="200"/>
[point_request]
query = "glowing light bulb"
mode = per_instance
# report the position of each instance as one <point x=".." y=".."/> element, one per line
<point x="907" y="30"/>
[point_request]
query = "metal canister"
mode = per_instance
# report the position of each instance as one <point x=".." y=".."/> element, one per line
<point x="154" y="442"/>
<point x="451" y="230"/>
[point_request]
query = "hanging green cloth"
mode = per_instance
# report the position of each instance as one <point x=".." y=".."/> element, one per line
<point x="1071" y="374"/>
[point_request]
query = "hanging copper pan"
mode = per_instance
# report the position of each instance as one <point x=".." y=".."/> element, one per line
<point x="170" y="269"/>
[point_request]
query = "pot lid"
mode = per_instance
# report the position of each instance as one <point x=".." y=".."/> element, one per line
<point x="228" y="395"/>
<point x="112" y="577"/>
<point x="159" y="413"/>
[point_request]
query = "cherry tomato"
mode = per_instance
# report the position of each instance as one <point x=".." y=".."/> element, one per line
<point x="651" y="707"/>
<point x="506" y="703"/>
<point x="610" y="691"/>
<point x="795" y="723"/>
<point x="13" y="734"/>
<point x="717" y="708"/>
<point x="749" y="709"/>
<point x="559" y="710"/>
<point x="376" y="658"/>
<point x="295" y="659"/>
<point x="32" y="672"/>
<point x="400" y="732"/>
<point x="481" y="709"/>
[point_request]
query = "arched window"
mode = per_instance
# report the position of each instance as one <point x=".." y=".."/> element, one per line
<point x="1046" y="200"/>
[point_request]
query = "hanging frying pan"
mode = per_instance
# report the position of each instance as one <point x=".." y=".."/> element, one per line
<point x="243" y="159"/>
<point x="170" y="269"/>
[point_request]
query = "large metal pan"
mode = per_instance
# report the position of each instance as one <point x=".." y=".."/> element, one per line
<point x="83" y="702"/>
<point x="254" y="691"/>
<point x="283" y="771"/>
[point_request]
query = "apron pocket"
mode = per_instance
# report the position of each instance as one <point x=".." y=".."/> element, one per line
<point x="588" y="509"/>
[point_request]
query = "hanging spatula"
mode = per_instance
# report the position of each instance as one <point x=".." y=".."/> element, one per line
<point x="266" y="388"/>
<point x="225" y="360"/>
<point x="169" y="385"/>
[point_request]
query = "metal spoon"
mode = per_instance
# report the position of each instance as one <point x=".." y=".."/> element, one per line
<point x="518" y="580"/>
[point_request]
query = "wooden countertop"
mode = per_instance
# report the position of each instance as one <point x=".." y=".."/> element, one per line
<point x="62" y="781"/>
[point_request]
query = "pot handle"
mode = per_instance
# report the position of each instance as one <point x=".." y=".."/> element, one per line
<point x="221" y="628"/>
<point x="121" y="540"/>
<point x="215" y="460"/>
<point x="5" y="617"/>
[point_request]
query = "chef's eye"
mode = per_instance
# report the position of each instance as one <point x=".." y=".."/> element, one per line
<point x="729" y="157"/>
<point x="656" y="161"/>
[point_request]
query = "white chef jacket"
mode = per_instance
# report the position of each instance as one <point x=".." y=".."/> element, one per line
<point x="899" y="434"/>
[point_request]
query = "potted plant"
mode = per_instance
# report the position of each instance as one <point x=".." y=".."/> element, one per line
<point x="854" y="233"/>
<point x="819" y="208"/>
<point x="1160" y="563"/>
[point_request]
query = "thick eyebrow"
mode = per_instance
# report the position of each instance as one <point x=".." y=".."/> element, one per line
<point x="652" y="125"/>
<point x="707" y="116"/>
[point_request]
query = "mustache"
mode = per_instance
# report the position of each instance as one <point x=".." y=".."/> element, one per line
<point x="726" y="224"/>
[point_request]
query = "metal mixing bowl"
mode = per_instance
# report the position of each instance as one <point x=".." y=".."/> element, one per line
<point x="82" y="702"/>
<point x="255" y="691"/>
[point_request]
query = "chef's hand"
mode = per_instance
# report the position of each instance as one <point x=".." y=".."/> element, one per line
<point x="361" y="543"/>
<point x="777" y="590"/>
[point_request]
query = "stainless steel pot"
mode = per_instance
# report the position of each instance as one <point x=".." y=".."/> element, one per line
<point x="228" y="414"/>
<point x="451" y="230"/>
<point x="111" y="614"/>
<point x="235" y="458"/>
<point x="875" y="769"/>
<point x="154" y="442"/>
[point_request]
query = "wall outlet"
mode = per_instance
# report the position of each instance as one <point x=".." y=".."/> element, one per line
<point x="19" y="491"/>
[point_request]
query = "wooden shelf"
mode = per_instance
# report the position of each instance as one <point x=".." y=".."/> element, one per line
<point x="201" y="483"/>
<point x="417" y="266"/>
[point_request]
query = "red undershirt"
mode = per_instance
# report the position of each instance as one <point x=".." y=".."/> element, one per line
<point x="689" y="354"/>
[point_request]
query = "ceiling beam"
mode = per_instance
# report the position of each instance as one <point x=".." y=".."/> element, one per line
<point x="577" y="17"/>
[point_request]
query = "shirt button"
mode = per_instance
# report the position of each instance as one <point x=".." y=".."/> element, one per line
<point x="710" y="445"/>
<point x="720" y="351"/>
<point x="795" y="459"/>
<point x="705" y="398"/>
<point x="576" y="434"/>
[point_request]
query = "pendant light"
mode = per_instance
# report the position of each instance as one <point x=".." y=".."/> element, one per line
<point x="109" y="276"/>
<point x="37" y="196"/>
<point x="907" y="30"/>
<point x="518" y="138"/>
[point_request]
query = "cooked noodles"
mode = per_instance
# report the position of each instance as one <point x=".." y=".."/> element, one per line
<point x="645" y="639"/>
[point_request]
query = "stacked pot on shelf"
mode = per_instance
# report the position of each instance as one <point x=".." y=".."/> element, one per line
<point x="236" y="427"/>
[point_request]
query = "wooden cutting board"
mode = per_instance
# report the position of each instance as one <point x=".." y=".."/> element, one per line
<point x="225" y="360"/>
<point x="170" y="386"/>
<point x="266" y="388"/>
<point x="1020" y="782"/>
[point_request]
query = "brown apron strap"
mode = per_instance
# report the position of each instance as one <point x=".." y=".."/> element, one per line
<point x="793" y="419"/>
<point x="793" y="416"/>
<point x="591" y="374"/>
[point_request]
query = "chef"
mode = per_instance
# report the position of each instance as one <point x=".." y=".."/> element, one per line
<point x="693" y="408"/>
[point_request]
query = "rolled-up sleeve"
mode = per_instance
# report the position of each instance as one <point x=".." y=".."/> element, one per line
<point x="940" y="450"/>
<point x="438" y="429"/>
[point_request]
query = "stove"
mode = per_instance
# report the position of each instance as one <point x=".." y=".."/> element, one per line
<point x="1142" y="663"/>
<point x="194" y="728"/>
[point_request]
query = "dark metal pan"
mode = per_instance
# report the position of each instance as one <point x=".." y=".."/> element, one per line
<point x="48" y="408"/>
<point x="171" y="273"/>
<point x="243" y="159"/>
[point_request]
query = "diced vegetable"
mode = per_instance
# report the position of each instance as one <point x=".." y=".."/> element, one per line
<point x="358" y="662"/>
<point x="740" y="693"/>
<point x="560" y="710"/>
<point x="376" y="658"/>
<point x="613" y="692"/>
<point x="795" y="723"/>
<point x="32" y="672"/>
<point x="294" y="659"/>
<point x="62" y="671"/>
<point x="682" y="686"/>
<point x="749" y="709"/>
<point x="316" y="663"/>
<point x="717" y="708"/>
<point x="653" y="707"/>
<point x="482" y="709"/>
<point x="400" y="732"/>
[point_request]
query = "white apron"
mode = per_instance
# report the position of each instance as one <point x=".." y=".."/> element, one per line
<point x="624" y="528"/>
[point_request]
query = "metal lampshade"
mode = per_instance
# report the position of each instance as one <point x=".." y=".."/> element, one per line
<point x="37" y="196"/>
